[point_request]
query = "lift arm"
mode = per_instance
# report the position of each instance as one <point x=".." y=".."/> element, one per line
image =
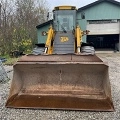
<point x="48" y="44"/>
<point x="78" y="35"/>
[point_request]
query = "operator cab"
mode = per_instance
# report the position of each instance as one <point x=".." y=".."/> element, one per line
<point x="64" y="18"/>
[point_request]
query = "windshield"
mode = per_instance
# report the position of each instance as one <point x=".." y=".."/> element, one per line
<point x="64" y="20"/>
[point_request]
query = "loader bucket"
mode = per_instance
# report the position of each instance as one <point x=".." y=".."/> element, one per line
<point x="69" y="82"/>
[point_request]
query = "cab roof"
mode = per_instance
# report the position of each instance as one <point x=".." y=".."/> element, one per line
<point x="65" y="8"/>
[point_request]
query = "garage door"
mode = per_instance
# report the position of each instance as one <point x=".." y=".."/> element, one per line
<point x="103" y="27"/>
<point x="104" y="41"/>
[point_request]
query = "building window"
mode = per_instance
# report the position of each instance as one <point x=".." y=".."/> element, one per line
<point x="102" y="21"/>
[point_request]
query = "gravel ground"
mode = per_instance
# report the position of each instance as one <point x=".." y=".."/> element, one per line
<point x="28" y="114"/>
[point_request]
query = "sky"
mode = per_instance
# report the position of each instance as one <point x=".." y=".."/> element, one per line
<point x="77" y="3"/>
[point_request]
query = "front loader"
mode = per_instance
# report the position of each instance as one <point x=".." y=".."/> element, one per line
<point x="65" y="75"/>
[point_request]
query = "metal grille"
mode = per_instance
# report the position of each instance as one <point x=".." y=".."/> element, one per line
<point x="61" y="46"/>
<point x="3" y="74"/>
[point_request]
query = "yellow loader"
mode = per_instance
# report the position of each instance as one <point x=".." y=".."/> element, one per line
<point x="65" y="75"/>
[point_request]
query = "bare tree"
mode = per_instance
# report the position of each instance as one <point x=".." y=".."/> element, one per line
<point x="30" y="13"/>
<point x="0" y="14"/>
<point x="6" y="13"/>
<point x="18" y="22"/>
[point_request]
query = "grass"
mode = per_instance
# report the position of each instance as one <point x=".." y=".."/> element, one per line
<point x="10" y="61"/>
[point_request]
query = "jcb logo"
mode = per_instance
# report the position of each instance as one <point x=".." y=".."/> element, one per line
<point x="64" y="39"/>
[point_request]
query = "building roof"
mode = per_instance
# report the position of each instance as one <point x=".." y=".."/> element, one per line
<point x="97" y="2"/>
<point x="83" y="8"/>
<point x="45" y="23"/>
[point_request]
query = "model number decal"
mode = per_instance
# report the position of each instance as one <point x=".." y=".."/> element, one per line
<point x="64" y="39"/>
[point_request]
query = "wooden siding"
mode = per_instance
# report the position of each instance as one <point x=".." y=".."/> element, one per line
<point x="101" y="11"/>
<point x="42" y="39"/>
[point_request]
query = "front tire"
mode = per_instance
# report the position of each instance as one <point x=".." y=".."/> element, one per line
<point x="89" y="50"/>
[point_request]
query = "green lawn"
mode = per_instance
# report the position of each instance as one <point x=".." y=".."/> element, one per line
<point x="10" y="61"/>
